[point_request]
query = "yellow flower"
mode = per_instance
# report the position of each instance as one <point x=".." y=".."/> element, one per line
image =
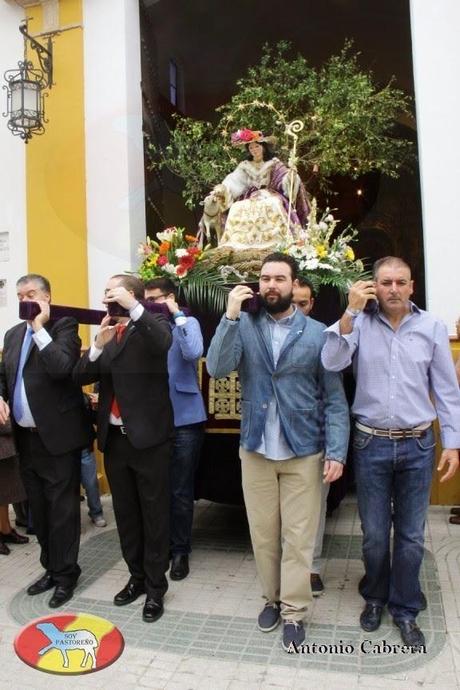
<point x="349" y="254"/>
<point x="152" y="260"/>
<point x="321" y="251"/>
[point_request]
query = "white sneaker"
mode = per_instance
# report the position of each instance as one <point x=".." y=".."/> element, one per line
<point x="99" y="521"/>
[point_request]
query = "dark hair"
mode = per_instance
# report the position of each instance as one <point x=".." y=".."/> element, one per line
<point x="279" y="257"/>
<point x="36" y="278"/>
<point x="396" y="260"/>
<point x="132" y="284"/>
<point x="166" y="285"/>
<point x="268" y="152"/>
<point x="304" y="282"/>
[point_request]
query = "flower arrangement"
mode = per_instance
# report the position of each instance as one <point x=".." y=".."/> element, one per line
<point x="172" y="256"/>
<point x="206" y="275"/>
<point x="322" y="258"/>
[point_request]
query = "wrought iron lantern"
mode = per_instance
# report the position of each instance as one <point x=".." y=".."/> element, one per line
<point x="25" y="90"/>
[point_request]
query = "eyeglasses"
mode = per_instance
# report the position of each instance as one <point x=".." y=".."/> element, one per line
<point x="155" y="299"/>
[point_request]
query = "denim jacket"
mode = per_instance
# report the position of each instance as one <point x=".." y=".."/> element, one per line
<point x="311" y="402"/>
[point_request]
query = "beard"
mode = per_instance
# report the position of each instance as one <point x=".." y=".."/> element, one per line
<point x="278" y="305"/>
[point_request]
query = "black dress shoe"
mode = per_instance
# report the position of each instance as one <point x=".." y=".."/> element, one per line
<point x="153" y="610"/>
<point x="45" y="583"/>
<point x="371" y="617"/>
<point x="411" y="634"/>
<point x="179" y="567"/>
<point x="455" y="511"/>
<point x="62" y="593"/>
<point x="130" y="593"/>
<point x="13" y="537"/>
<point x="4" y="550"/>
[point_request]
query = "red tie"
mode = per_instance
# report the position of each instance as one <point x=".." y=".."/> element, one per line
<point x="120" y="329"/>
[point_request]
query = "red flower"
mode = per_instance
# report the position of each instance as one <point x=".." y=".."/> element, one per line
<point x="186" y="262"/>
<point x="194" y="251"/>
<point x="245" y="135"/>
<point x="162" y="260"/>
<point x="181" y="270"/>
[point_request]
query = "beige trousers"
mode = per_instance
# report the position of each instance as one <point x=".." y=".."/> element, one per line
<point x="283" y="501"/>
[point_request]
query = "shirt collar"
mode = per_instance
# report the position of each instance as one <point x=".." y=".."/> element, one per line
<point x="285" y="321"/>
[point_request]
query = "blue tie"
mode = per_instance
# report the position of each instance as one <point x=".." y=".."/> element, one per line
<point x="18" y="409"/>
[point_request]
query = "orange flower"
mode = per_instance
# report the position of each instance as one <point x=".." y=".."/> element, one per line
<point x="164" y="246"/>
<point x="191" y="238"/>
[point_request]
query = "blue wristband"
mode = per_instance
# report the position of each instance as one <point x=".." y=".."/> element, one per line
<point x="178" y="314"/>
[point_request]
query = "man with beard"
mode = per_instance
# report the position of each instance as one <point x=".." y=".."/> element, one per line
<point x="284" y="430"/>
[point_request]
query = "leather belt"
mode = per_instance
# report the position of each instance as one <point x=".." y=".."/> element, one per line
<point x="395" y="434"/>
<point x="120" y="428"/>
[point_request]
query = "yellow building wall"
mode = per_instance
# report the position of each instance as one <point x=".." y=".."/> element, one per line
<point x="55" y="167"/>
<point x="55" y="172"/>
<point x="447" y="493"/>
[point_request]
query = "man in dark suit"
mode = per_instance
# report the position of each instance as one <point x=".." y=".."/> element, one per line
<point x="134" y="431"/>
<point x="51" y="427"/>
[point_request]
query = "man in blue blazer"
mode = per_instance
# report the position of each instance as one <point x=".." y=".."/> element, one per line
<point x="291" y="410"/>
<point x="189" y="417"/>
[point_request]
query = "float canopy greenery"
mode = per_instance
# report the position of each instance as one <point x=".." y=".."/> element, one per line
<point x="349" y="122"/>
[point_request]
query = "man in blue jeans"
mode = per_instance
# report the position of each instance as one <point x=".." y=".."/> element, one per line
<point x="405" y="377"/>
<point x="88" y="478"/>
<point x="189" y="418"/>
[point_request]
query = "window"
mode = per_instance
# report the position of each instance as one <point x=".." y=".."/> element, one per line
<point x="173" y="91"/>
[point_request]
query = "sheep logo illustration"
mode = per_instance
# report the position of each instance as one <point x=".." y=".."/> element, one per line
<point x="69" y="643"/>
<point x="70" y="640"/>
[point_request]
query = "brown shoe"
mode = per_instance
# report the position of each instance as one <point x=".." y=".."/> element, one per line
<point x="454" y="520"/>
<point x="455" y="511"/>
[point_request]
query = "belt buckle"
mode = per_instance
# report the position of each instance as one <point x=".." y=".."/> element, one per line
<point x="123" y="430"/>
<point x="395" y="434"/>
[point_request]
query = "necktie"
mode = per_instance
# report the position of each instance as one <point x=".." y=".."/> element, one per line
<point x="120" y="329"/>
<point x="18" y="409"/>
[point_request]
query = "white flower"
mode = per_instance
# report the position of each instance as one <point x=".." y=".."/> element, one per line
<point x="311" y="264"/>
<point x="166" y="235"/>
<point x="322" y="226"/>
<point x="181" y="252"/>
<point x="329" y="218"/>
<point x="170" y="268"/>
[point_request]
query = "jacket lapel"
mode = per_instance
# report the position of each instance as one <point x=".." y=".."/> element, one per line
<point x="262" y="330"/>
<point x="297" y="328"/>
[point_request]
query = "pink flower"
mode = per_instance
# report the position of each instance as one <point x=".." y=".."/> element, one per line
<point x="162" y="260"/>
<point x="245" y="135"/>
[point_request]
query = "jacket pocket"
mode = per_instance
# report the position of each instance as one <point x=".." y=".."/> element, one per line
<point x="185" y="387"/>
<point x="303" y="421"/>
<point x="303" y="356"/>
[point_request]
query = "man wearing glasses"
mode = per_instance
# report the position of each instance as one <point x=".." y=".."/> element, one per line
<point x="189" y="417"/>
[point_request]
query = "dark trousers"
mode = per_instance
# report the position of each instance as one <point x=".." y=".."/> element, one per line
<point x="139" y="482"/>
<point x="52" y="484"/>
<point x="188" y="440"/>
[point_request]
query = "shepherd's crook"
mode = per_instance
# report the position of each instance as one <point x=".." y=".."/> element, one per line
<point x="291" y="131"/>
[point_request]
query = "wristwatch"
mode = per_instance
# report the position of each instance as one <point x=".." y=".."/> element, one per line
<point x="352" y="312"/>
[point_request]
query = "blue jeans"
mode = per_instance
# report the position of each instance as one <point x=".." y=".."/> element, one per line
<point x="393" y="481"/>
<point x="90" y="484"/>
<point x="186" y="453"/>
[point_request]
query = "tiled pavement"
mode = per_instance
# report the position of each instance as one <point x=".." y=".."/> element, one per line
<point x="208" y="637"/>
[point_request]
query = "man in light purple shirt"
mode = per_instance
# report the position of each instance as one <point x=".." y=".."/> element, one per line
<point x="405" y="378"/>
